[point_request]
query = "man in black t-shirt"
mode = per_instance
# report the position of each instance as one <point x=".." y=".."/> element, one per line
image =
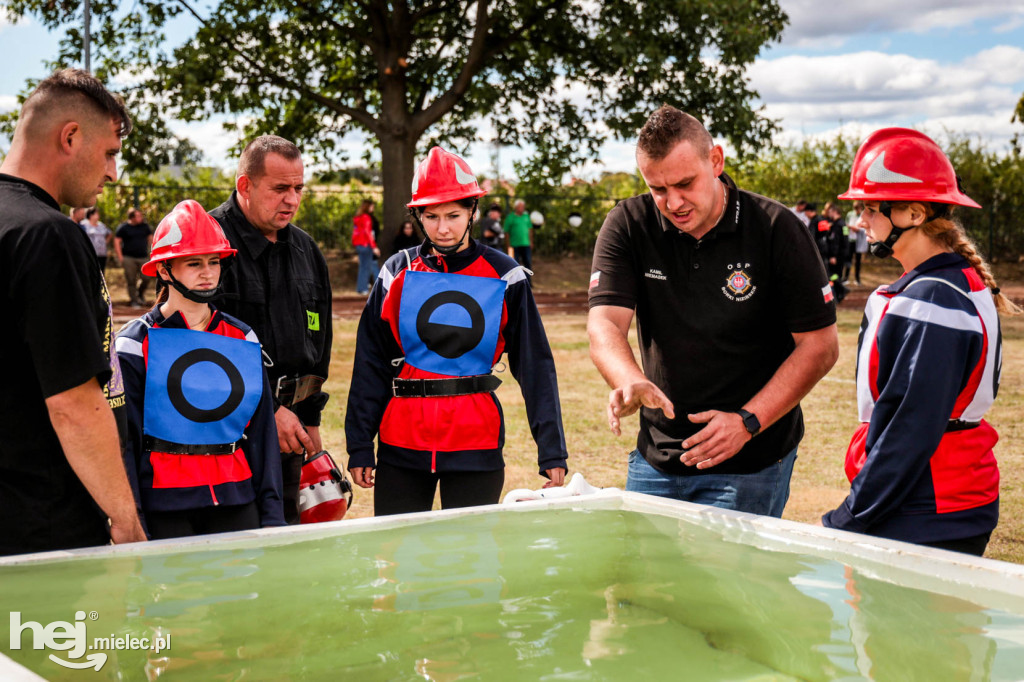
<point x="490" y="228"/>
<point x="132" y="241"/>
<point x="735" y="321"/>
<point x="61" y="393"/>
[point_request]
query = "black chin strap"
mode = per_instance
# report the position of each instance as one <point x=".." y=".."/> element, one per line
<point x="454" y="248"/>
<point x="884" y="249"/>
<point x="197" y="295"/>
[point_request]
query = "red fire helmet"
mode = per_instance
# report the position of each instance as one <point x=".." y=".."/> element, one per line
<point x="900" y="164"/>
<point x="188" y="230"/>
<point x="443" y="177"/>
<point x="325" y="493"/>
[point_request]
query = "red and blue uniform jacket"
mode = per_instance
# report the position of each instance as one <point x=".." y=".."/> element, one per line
<point x="175" y="482"/>
<point x="400" y="325"/>
<point x="921" y="465"/>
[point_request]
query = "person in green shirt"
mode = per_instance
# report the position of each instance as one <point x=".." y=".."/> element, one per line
<point x="520" y="234"/>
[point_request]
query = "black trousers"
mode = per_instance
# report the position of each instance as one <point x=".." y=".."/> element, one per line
<point x="973" y="545"/>
<point x="202" y="521"/>
<point x="401" y="491"/>
<point x="291" y="476"/>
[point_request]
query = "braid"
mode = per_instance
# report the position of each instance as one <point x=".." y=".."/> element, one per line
<point x="953" y="236"/>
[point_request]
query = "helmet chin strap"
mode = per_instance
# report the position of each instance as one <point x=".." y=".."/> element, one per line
<point x="884" y="249"/>
<point x="453" y="248"/>
<point x="197" y="295"/>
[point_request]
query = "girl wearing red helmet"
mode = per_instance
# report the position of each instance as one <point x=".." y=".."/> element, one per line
<point x="439" y="317"/>
<point x="201" y="450"/>
<point x="921" y="465"/>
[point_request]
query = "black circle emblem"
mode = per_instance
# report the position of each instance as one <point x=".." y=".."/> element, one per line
<point x="182" y="404"/>
<point x="447" y="340"/>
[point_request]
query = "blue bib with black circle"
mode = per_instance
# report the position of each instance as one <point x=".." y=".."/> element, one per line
<point x="201" y="388"/>
<point x="449" y="323"/>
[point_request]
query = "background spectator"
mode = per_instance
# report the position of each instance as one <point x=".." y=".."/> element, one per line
<point x="132" y="241"/>
<point x="490" y="228"/>
<point x="406" y="237"/>
<point x="99" y="234"/>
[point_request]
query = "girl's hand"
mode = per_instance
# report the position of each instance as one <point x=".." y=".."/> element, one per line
<point x="556" y="476"/>
<point x="362" y="476"/>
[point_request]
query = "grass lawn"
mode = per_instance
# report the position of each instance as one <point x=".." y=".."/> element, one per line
<point x="819" y="483"/>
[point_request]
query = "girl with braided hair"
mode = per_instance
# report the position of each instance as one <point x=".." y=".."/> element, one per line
<point x="921" y="465"/>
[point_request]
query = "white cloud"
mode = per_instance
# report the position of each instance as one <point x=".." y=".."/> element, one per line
<point x="8" y="102"/>
<point x="6" y="21"/>
<point x="211" y="138"/>
<point x="816" y="23"/>
<point x="977" y="95"/>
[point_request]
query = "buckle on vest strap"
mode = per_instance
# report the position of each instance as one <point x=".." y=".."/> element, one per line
<point x="960" y="425"/>
<point x="437" y="388"/>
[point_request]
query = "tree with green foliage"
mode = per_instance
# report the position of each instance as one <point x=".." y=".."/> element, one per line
<point x="816" y="170"/>
<point x="558" y="75"/>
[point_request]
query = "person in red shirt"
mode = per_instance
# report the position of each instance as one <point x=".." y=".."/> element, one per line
<point x="365" y="241"/>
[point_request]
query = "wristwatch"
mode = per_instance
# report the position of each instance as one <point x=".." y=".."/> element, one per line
<point x="750" y="421"/>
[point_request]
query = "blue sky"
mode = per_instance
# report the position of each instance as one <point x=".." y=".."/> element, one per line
<point x="841" y="66"/>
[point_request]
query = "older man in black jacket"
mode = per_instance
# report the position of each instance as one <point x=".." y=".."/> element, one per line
<point x="280" y="286"/>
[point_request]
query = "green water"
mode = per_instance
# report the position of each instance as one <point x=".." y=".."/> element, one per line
<point x="552" y="595"/>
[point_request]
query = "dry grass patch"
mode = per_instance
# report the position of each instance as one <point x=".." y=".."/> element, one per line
<point x="819" y="483"/>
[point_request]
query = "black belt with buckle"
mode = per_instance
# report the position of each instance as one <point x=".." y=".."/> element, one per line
<point x="960" y="425"/>
<point x="436" y="388"/>
<point x="159" y="445"/>
<point x="293" y="390"/>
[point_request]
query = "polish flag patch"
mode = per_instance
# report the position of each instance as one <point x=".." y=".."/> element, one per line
<point x="826" y="292"/>
<point x="595" y="279"/>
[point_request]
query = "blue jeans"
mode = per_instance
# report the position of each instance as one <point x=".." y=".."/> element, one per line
<point x="765" y="492"/>
<point x="367" y="269"/>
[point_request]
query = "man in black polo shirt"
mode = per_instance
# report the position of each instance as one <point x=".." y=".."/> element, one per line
<point x="735" y="320"/>
<point x="61" y="392"/>
<point x="279" y="285"/>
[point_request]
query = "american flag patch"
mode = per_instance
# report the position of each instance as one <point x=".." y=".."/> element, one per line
<point x="826" y="292"/>
<point x="595" y="278"/>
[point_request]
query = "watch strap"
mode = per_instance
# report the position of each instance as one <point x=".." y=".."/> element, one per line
<point x="750" y="421"/>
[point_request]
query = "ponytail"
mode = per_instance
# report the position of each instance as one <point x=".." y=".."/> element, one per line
<point x="950" y="234"/>
<point x="162" y="293"/>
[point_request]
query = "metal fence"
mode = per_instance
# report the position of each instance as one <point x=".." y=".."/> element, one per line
<point x="326" y="214"/>
<point x="996" y="229"/>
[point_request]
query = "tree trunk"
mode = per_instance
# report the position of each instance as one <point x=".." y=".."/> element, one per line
<point x="397" y="166"/>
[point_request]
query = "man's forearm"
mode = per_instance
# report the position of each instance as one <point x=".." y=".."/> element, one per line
<point x="814" y="355"/>
<point x="88" y="435"/>
<point x="611" y="353"/>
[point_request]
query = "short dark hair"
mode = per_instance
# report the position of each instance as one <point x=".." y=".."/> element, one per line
<point x="253" y="160"/>
<point x="669" y="126"/>
<point x="90" y="212"/>
<point x="810" y="206"/>
<point x="87" y="89"/>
